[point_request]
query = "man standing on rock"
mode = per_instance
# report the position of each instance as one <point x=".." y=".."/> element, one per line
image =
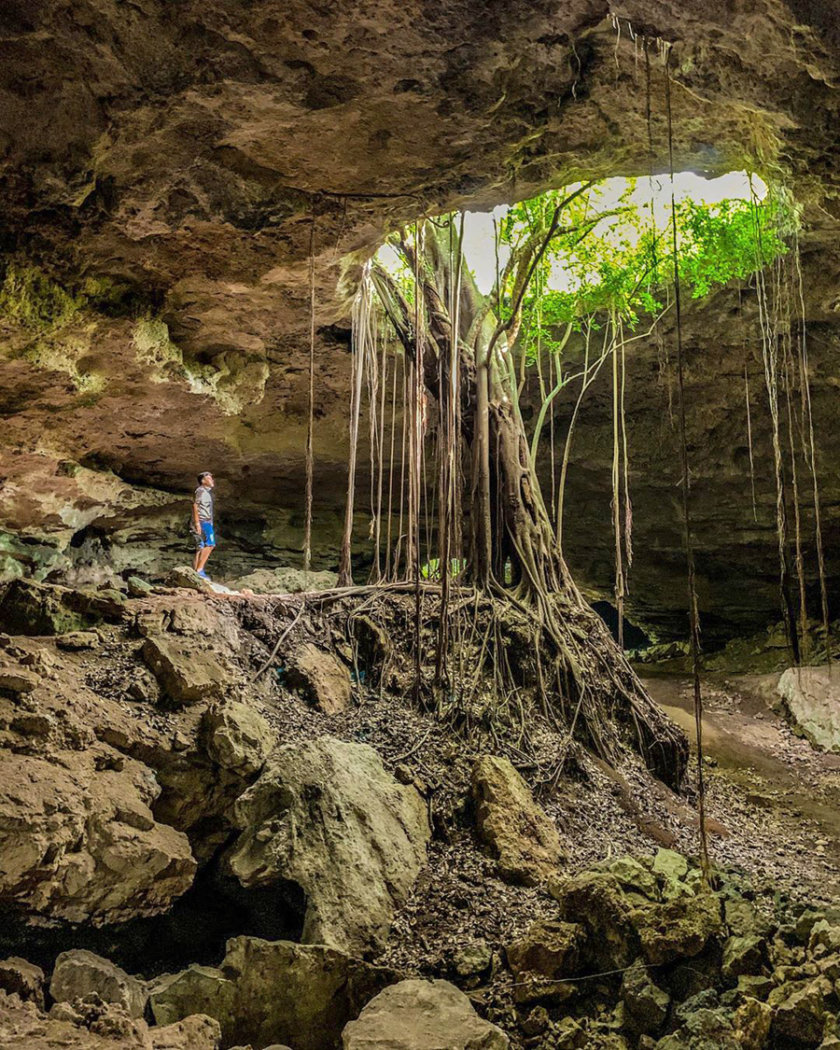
<point x="201" y="525"/>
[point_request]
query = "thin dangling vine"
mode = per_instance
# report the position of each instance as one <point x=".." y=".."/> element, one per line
<point x="693" y="612"/>
<point x="310" y="427"/>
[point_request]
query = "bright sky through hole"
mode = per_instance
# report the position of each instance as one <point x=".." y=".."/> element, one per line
<point x="479" y="250"/>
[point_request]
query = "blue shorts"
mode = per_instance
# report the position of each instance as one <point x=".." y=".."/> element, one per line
<point x="207" y="537"/>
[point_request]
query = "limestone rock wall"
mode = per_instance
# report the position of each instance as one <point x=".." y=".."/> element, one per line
<point x="161" y="167"/>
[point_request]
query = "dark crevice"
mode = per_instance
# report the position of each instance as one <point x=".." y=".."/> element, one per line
<point x="194" y="930"/>
<point x="634" y="637"/>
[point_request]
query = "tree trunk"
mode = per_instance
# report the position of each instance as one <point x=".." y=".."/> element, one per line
<point x="509" y="525"/>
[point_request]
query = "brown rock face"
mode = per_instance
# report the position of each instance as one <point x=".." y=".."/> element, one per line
<point x="161" y="166"/>
<point x="94" y="1025"/>
<point x="82" y="844"/>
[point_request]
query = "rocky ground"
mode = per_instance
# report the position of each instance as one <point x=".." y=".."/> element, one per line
<point x="225" y="821"/>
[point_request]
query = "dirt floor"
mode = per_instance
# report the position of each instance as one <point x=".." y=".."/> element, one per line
<point x="776" y="798"/>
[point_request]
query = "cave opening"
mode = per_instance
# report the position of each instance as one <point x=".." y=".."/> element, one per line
<point x="515" y="444"/>
<point x="575" y="278"/>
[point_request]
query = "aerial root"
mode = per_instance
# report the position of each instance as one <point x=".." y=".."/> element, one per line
<point x="526" y="671"/>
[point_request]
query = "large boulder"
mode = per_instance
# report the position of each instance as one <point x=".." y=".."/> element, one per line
<point x="285" y="580"/>
<point x="186" y="672"/>
<point x="328" y="816"/>
<point x="80" y="842"/>
<point x="422" y="1015"/>
<point x="520" y="835"/>
<point x="624" y="916"/>
<point x="191" y="648"/>
<point x="237" y="738"/>
<point x="320" y="677"/>
<point x="811" y="697"/>
<point x="268" y="992"/>
<point x="79" y="973"/>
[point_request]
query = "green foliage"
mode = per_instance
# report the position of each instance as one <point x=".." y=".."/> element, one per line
<point x="430" y="570"/>
<point x="615" y="258"/>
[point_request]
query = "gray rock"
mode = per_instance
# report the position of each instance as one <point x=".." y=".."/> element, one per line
<point x="703" y="1029"/>
<point x="76" y="641"/>
<point x="678" y="929"/>
<point x="137" y="587"/>
<point x="79" y="973"/>
<point x="597" y="900"/>
<point x="197" y="1032"/>
<point x="81" y="843"/>
<point x="520" y="835"/>
<point x="19" y="977"/>
<point x="268" y="992"/>
<point x="645" y="1003"/>
<point x="472" y="960"/>
<point x="744" y="955"/>
<point x="188" y="579"/>
<point x="825" y="937"/>
<point x="634" y="877"/>
<point x="285" y="580"/>
<point x="33" y="608"/>
<point x="752" y="1024"/>
<point x="670" y="865"/>
<point x="811" y="697"/>
<point x="799" y="1011"/>
<point x="422" y="1015"/>
<point x="327" y="816"/>
<point x="744" y="920"/>
<point x="622" y="924"/>
<point x="541" y="960"/>
<point x="320" y="677"/>
<point x="184" y="671"/>
<point x="237" y="738"/>
<point x="755" y="987"/>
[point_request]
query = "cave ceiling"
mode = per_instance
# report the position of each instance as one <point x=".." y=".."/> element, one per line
<point x="167" y="163"/>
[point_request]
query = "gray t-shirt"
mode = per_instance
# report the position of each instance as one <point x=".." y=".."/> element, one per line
<point x="204" y="502"/>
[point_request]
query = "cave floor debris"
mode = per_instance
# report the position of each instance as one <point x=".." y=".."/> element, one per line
<point x="776" y="795"/>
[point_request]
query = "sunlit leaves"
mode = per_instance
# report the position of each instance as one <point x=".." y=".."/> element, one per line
<point x="618" y="260"/>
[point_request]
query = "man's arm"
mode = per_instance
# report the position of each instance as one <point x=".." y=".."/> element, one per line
<point x="196" y="523"/>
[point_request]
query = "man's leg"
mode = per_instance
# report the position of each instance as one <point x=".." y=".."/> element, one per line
<point x="201" y="559"/>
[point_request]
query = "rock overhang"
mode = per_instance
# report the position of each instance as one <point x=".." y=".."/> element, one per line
<point x="183" y="155"/>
